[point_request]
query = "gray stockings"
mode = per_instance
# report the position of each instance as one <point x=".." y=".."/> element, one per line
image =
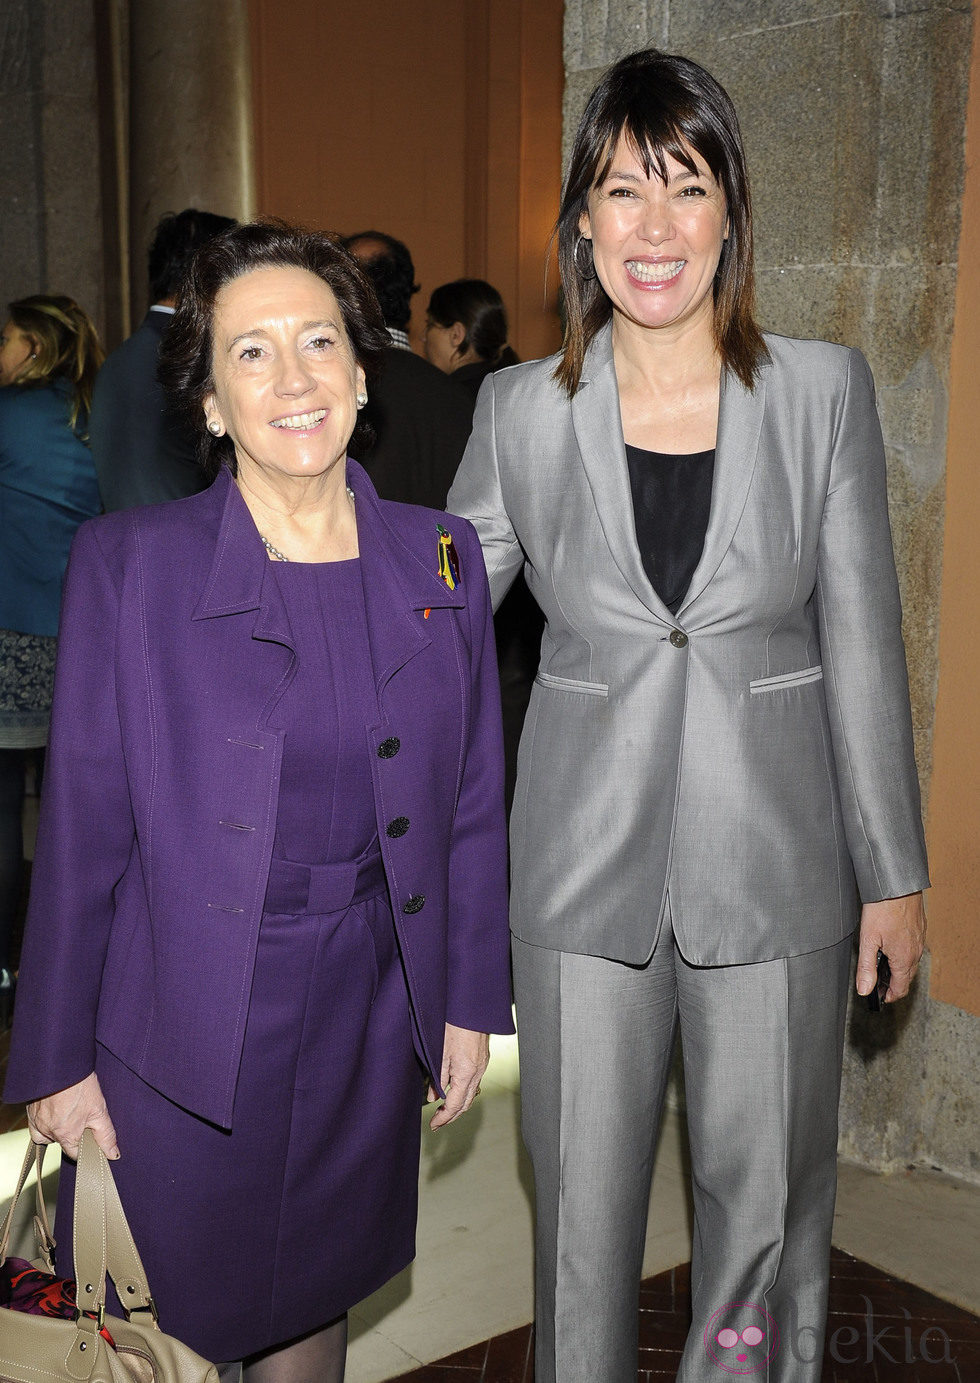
<point x="318" y="1357"/>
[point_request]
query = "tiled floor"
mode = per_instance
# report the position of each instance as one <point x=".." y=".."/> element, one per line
<point x="504" y="1359"/>
<point x="880" y="1330"/>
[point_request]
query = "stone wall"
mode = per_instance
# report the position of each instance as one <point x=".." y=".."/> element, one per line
<point x="854" y="126"/>
<point x="50" y="190"/>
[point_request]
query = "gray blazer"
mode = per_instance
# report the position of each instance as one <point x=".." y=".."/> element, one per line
<point x="752" y="754"/>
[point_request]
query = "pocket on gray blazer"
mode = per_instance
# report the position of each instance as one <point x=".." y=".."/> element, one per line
<point x="572" y="684"/>
<point x="787" y="679"/>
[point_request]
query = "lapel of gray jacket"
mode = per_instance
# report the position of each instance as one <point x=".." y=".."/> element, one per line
<point x="737" y="449"/>
<point x="599" y="431"/>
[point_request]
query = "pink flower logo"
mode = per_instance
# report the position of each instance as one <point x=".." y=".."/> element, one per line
<point x="741" y="1338"/>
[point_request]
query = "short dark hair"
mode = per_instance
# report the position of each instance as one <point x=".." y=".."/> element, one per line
<point x="392" y="273"/>
<point x="479" y="309"/>
<point x="186" y="352"/>
<point x="663" y="104"/>
<point x="176" y="239"/>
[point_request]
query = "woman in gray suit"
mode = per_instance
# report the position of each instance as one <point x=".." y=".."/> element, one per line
<point x="716" y="777"/>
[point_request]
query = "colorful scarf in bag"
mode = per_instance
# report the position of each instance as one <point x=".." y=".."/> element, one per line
<point x="38" y="1293"/>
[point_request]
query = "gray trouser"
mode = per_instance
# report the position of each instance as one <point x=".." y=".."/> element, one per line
<point x="762" y="1050"/>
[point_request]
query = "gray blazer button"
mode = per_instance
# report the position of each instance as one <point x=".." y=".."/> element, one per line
<point x="415" y="904"/>
<point x="388" y="748"/>
<point x="678" y="638"/>
<point x="397" y="827"/>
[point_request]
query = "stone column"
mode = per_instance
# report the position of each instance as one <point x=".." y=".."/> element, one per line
<point x="190" y="137"/>
<point x="50" y="225"/>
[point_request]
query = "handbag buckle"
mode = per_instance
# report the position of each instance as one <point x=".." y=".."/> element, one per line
<point x="150" y="1306"/>
<point x="98" y="1315"/>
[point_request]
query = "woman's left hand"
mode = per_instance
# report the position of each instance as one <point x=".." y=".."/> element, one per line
<point x="465" y="1057"/>
<point x="896" y="926"/>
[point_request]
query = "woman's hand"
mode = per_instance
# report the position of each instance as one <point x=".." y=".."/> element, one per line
<point x="63" y="1118"/>
<point x="465" y="1057"/>
<point x="898" y="927"/>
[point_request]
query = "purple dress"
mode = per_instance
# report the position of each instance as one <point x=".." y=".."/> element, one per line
<point x="309" y="1203"/>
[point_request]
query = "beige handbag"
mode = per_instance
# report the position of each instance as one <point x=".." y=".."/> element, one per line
<point x="43" y="1349"/>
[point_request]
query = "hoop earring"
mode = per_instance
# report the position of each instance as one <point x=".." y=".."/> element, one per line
<point x="591" y="274"/>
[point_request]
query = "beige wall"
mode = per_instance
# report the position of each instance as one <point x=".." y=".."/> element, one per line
<point x="954" y="816"/>
<point x="439" y="124"/>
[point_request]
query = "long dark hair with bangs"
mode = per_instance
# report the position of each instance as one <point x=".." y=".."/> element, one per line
<point x="663" y="104"/>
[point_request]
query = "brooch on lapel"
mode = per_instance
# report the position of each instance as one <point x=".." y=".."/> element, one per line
<point x="448" y="561"/>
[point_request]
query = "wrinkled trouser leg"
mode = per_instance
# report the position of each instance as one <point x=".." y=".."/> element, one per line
<point x="595" y="1043"/>
<point x="762" y="1046"/>
<point x="762" y="1062"/>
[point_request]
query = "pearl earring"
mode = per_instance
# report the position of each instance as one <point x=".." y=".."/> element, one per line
<point x="214" y="427"/>
<point x="361" y="400"/>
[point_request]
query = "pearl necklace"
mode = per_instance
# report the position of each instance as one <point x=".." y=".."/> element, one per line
<point x="281" y="556"/>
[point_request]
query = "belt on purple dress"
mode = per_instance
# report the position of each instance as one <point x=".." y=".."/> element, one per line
<point x="320" y="888"/>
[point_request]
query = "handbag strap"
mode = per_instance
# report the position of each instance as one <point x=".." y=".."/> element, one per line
<point x="33" y="1158"/>
<point x="124" y="1262"/>
<point x="88" y="1227"/>
<point x="103" y="1241"/>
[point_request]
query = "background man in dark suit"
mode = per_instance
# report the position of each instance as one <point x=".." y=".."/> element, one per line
<point x="420" y="419"/>
<point x="144" y="452"/>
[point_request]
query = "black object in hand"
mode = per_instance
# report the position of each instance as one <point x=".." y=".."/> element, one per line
<point x="876" y="999"/>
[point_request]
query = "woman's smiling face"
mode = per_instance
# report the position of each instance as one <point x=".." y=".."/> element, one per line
<point x="285" y="377"/>
<point x="656" y="246"/>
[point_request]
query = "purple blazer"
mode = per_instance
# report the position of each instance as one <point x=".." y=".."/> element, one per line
<point x="160" y="795"/>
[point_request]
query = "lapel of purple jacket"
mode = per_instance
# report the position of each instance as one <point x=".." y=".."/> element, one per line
<point x="396" y="583"/>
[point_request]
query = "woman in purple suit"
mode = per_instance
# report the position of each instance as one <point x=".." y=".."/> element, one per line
<point x="270" y="876"/>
